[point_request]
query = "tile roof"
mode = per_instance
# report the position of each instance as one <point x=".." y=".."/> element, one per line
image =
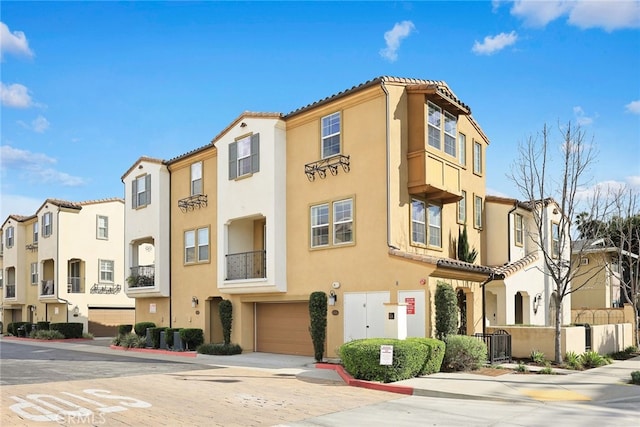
<point x="441" y="262"/>
<point x="507" y="270"/>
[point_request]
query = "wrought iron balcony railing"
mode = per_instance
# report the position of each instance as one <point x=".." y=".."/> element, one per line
<point x="10" y="291"/>
<point x="141" y="276"/>
<point x="247" y="265"/>
<point x="74" y="285"/>
<point x="48" y="287"/>
<point x="332" y="164"/>
<point x="105" y="288"/>
<point x="192" y="202"/>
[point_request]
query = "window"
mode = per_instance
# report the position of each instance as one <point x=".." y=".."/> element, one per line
<point x="1" y="277"/>
<point x="196" y="245"/>
<point x="477" y="212"/>
<point x="433" y="121"/>
<point x="435" y="226"/>
<point x="106" y="270"/>
<point x="450" y="129"/>
<point x="343" y="222"/>
<point x="319" y="225"/>
<point x="462" y="148"/>
<point x="330" y="135"/>
<point x="462" y="208"/>
<point x="9" y="237"/>
<point x="102" y="231"/>
<point x="244" y="156"/>
<point x="196" y="178"/>
<point x="518" y="230"/>
<point x="477" y="158"/>
<point x="421" y="216"/>
<point x="34" y="273"/>
<point x="418" y="222"/>
<point x="555" y="240"/>
<point x="47" y="224"/>
<point x="141" y="191"/>
<point x="35" y="232"/>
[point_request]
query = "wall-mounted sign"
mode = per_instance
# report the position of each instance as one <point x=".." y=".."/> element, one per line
<point x="411" y="305"/>
<point x="152" y="308"/>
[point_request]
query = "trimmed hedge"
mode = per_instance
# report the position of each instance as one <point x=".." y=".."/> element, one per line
<point x="155" y="336"/>
<point x="192" y="337"/>
<point x="140" y="328"/>
<point x="220" y="349"/>
<point x="124" y="329"/>
<point x="12" y="328"/>
<point x="43" y="326"/>
<point x="361" y="359"/>
<point x="168" y="336"/>
<point x="463" y="353"/>
<point x="435" y="354"/>
<point x="69" y="330"/>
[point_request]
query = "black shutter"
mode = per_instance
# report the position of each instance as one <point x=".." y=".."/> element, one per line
<point x="134" y="191"/>
<point x="147" y="182"/>
<point x="255" y="153"/>
<point x="233" y="160"/>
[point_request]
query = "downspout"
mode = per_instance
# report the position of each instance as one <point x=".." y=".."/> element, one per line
<point x="170" y="250"/>
<point x="484" y="302"/>
<point x="58" y="261"/>
<point x="387" y="140"/>
<point x="515" y="206"/>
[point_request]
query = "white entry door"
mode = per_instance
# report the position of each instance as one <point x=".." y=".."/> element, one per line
<point x="415" y="312"/>
<point x="364" y="314"/>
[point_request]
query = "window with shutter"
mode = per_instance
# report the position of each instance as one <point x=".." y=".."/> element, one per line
<point x="244" y="156"/>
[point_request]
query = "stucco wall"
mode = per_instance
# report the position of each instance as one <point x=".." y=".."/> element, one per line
<point x="525" y="339"/>
<point x="607" y="339"/>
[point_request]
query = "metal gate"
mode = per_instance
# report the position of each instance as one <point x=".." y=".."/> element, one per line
<point x="498" y="346"/>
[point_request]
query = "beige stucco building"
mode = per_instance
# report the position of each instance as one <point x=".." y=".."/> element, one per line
<point x="65" y="263"/>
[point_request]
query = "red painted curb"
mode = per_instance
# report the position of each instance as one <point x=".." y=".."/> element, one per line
<point x="156" y="351"/>
<point x="36" y="340"/>
<point x="400" y="389"/>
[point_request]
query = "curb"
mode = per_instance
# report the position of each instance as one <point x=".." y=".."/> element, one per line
<point x="156" y="351"/>
<point x="350" y="381"/>
<point x="45" y="341"/>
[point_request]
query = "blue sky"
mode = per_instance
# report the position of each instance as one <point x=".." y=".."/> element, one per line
<point x="89" y="87"/>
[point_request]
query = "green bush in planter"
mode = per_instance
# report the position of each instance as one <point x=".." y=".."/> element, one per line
<point x="463" y="353"/>
<point x="140" y="328"/>
<point x="168" y="336"/>
<point x="219" y="349"/>
<point x="435" y="354"/>
<point x="226" y="317"/>
<point x="192" y="337"/>
<point x="124" y="329"/>
<point x="43" y="326"/>
<point x="69" y="330"/>
<point x="155" y="336"/>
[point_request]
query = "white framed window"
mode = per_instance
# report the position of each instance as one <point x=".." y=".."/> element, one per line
<point x="462" y="208"/>
<point x="1" y="277"/>
<point x="462" y="148"/>
<point x="34" y="273"/>
<point x="36" y="227"/>
<point x="343" y="221"/>
<point x="435" y="225"/>
<point x="450" y="133"/>
<point x="106" y="271"/>
<point x="434" y="120"/>
<point x="555" y="240"/>
<point x="196" y="178"/>
<point x="330" y="135"/>
<point x="141" y="191"/>
<point x="47" y="224"/>
<point x="196" y="245"/>
<point x="244" y="156"/>
<point x="102" y="227"/>
<point x="418" y="222"/>
<point x="477" y="158"/>
<point x="477" y="212"/>
<point x="518" y="230"/>
<point x="9" y="239"/>
<point x="320" y="225"/>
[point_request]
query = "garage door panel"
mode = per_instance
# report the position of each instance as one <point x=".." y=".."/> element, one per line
<point x="283" y="328"/>
<point x="103" y="322"/>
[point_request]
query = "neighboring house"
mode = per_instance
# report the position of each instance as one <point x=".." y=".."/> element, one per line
<point x="359" y="195"/>
<point x="65" y="263"/>
<point x="520" y="292"/>
<point x="597" y="284"/>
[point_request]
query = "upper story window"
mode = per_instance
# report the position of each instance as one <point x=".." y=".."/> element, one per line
<point x="442" y="126"/>
<point x="434" y="123"/>
<point x="462" y="148"/>
<point x="9" y="238"/>
<point x="426" y="224"/>
<point x="462" y="208"/>
<point x="244" y="156"/>
<point x="330" y="135"/>
<point x="518" y="230"/>
<point x="141" y="191"/>
<point x="35" y="232"/>
<point x="450" y="131"/>
<point x="106" y="270"/>
<point x="337" y="222"/>
<point x="477" y="158"/>
<point x="477" y="212"/>
<point x="196" y="245"/>
<point x="555" y="240"/>
<point x="1" y="277"/>
<point x="196" y="178"/>
<point x="47" y="224"/>
<point x="102" y="227"/>
<point x="34" y="273"/>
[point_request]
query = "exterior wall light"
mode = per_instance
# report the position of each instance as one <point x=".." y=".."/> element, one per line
<point x="332" y="298"/>
<point x="194" y="302"/>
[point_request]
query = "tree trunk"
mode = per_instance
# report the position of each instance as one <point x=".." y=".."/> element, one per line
<point x="558" y="334"/>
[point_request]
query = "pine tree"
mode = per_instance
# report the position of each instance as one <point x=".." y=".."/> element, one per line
<point x="463" y="247"/>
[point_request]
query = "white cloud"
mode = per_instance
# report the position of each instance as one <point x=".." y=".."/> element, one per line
<point x="40" y="124"/>
<point x="608" y="15"/>
<point x="633" y="107"/>
<point x="15" y="42"/>
<point x="491" y="45"/>
<point x="34" y="167"/>
<point x="15" y="95"/>
<point x="18" y="205"/>
<point x="581" y="118"/>
<point x="633" y="181"/>
<point x="393" y="37"/>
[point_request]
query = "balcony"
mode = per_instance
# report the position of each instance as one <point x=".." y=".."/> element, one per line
<point x="331" y="164"/>
<point x="247" y="265"/>
<point x="142" y="276"/>
<point x="192" y="202"/>
<point x="105" y="288"/>
<point x="10" y="291"/>
<point x="433" y="178"/>
<point x="47" y="288"/>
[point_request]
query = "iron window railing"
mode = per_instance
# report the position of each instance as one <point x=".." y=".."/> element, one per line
<point x="10" y="291"/>
<point x="142" y="276"/>
<point x="247" y="265"/>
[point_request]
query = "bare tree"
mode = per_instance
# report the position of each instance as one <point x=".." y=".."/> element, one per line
<point x="544" y="176"/>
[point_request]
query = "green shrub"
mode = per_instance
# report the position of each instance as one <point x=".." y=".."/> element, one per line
<point x="591" y="359"/>
<point x="226" y="316"/>
<point x="632" y="349"/>
<point x="435" y="354"/>
<point x="133" y="341"/>
<point x="361" y="359"/>
<point x="124" y="329"/>
<point x="522" y="368"/>
<point x="117" y="340"/>
<point x="46" y="334"/>
<point x="69" y="330"/>
<point x="87" y="335"/>
<point x="155" y="336"/>
<point x="635" y="377"/>
<point x="546" y="370"/>
<point x="537" y="357"/>
<point x="140" y="328"/>
<point x="318" y="326"/>
<point x="192" y="337"/>
<point x="168" y="336"/>
<point x="572" y="360"/>
<point x="463" y="353"/>
<point x="219" y="349"/>
<point x="446" y="305"/>
<point x="12" y="328"/>
<point x="43" y="326"/>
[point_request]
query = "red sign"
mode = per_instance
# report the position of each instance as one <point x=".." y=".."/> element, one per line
<point x="411" y="305"/>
